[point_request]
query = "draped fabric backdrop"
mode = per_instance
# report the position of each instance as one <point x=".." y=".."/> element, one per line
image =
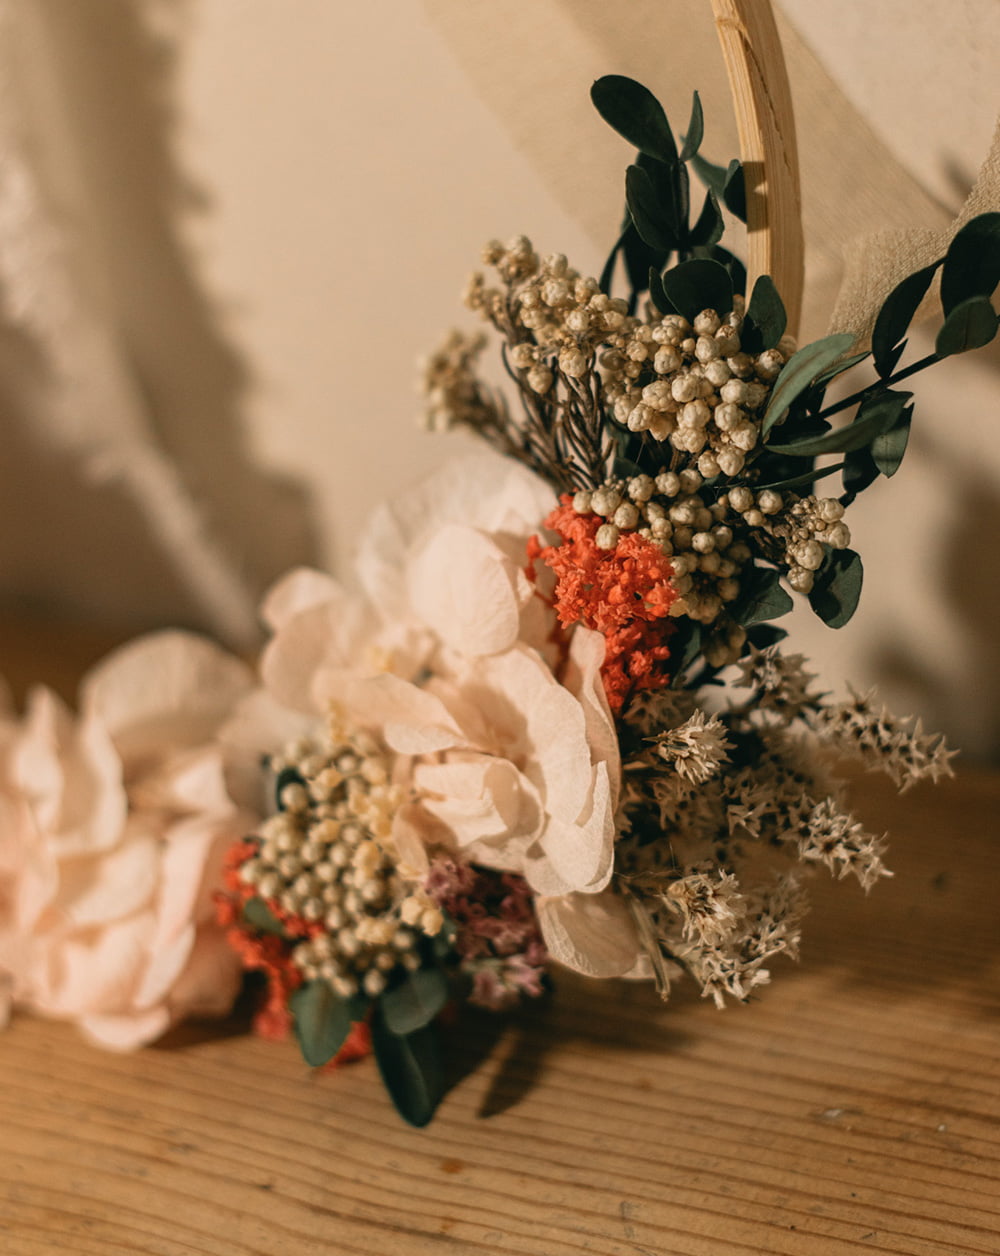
<point x="228" y="230"/>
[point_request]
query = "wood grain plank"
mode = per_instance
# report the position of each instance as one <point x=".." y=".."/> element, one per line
<point x="855" y="1107"/>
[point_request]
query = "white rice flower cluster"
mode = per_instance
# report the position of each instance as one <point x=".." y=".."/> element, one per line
<point x="799" y="527"/>
<point x="864" y="729"/>
<point x="721" y="810"/>
<point x="707" y="397"/>
<point x="327" y="858"/>
<point x="566" y="315"/>
<point x="452" y="392"/>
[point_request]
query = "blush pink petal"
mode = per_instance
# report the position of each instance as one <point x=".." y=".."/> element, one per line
<point x="211" y="978"/>
<point x="70" y="775"/>
<point x="127" y="1031"/>
<point x="166" y="689"/>
<point x="295" y="592"/>
<point x="96" y="891"/>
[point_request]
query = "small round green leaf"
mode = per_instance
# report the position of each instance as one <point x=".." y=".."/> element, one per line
<point x="835" y="594"/>
<point x="761" y="598"/>
<point x="322" y="1021"/>
<point x="766" y="314"/>
<point x="635" y="113"/>
<point x="411" y="1069"/>
<point x="258" y="915"/>
<point x="416" y="1001"/>
<point x="697" y="285"/>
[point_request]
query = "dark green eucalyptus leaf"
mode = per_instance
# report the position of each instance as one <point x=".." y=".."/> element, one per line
<point x="761" y="597"/>
<point x="797" y="481"/>
<point x="604" y="283"/>
<point x="766" y="314"/>
<point x="258" y="915"/>
<point x="888" y="448"/>
<point x="635" y="113"/>
<point x="737" y="271"/>
<point x="969" y="325"/>
<point x="710" y="174"/>
<point x="734" y="191"/>
<point x="684" y="649"/>
<point x="639" y="258"/>
<point x="322" y="1021"/>
<point x="859" y="471"/>
<point x="799" y="372"/>
<point x="839" y="368"/>
<point x="649" y="211"/>
<point x="875" y="415"/>
<point x="709" y="228"/>
<point x="657" y="295"/>
<point x="896" y="315"/>
<point x="415" y="1001"/>
<point x="837" y="588"/>
<point x="760" y="636"/>
<point x="697" y="285"/>
<point x="411" y="1069"/>
<point x="972" y="263"/>
<point x="696" y="130"/>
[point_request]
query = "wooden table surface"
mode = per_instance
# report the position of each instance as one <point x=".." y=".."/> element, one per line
<point x="854" y="1108"/>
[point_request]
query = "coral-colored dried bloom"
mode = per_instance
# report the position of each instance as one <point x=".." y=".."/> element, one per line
<point x="624" y="593"/>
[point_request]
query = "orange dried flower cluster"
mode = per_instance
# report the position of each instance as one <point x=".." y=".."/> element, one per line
<point x="624" y="593"/>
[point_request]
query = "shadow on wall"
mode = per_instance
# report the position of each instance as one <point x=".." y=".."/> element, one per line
<point x="86" y="552"/>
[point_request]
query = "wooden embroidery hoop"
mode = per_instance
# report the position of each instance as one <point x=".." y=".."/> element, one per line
<point x="762" y="101"/>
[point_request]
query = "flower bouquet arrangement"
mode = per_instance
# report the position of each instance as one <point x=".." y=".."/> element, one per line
<point x="556" y="727"/>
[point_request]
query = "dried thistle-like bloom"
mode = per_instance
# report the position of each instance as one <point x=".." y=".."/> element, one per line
<point x="869" y="732"/>
<point x="696" y="749"/>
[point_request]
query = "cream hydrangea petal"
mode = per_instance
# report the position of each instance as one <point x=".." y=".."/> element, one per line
<point x="259" y="726"/>
<point x="593" y="934"/>
<point x="165" y="689"/>
<point x="297" y="591"/>
<point x="413" y="720"/>
<point x="578" y="857"/>
<point x="463" y="586"/>
<point x="483" y="490"/>
<point x="538" y="724"/>
<point x="583" y="679"/>
<point x="326" y="634"/>
<point x="479" y="799"/>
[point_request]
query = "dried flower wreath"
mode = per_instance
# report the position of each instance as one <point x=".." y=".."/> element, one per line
<point x="556" y="729"/>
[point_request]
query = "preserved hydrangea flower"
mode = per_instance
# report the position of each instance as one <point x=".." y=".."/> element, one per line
<point x="113" y="833"/>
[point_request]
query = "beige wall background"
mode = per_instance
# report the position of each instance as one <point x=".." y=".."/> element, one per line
<point x="228" y="229"/>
